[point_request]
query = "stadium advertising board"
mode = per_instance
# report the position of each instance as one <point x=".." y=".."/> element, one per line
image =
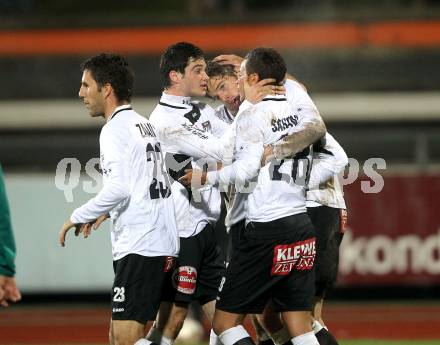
<point x="393" y="237"/>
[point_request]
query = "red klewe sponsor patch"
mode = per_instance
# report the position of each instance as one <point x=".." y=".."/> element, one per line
<point x="298" y="255"/>
<point x="185" y="279"/>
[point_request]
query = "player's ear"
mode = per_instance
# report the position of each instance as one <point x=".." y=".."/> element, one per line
<point x="107" y="88"/>
<point x="253" y="78"/>
<point x="175" y="76"/>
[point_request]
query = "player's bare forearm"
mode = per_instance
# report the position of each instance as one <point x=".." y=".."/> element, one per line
<point x="296" y="142"/>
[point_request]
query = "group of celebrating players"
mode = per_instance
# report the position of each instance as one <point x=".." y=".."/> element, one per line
<point x="265" y="152"/>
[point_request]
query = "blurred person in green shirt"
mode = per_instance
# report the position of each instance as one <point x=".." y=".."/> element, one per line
<point x="8" y="288"/>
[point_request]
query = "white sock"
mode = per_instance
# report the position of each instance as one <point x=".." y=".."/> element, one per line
<point x="154" y="335"/>
<point x="232" y="335"/>
<point x="214" y="339"/>
<point x="305" y="339"/>
<point x="316" y="326"/>
<point x="281" y="337"/>
<point x="166" y="341"/>
<point x="142" y="342"/>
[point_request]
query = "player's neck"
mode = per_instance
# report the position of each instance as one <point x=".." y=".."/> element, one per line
<point x="111" y="107"/>
<point x="176" y="97"/>
<point x="174" y="90"/>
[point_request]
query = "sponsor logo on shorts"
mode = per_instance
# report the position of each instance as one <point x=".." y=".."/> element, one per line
<point x="185" y="279"/>
<point x="298" y="255"/>
<point x="118" y="310"/>
<point x="169" y="264"/>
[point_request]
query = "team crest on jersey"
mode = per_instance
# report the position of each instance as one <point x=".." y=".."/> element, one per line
<point x="185" y="279"/>
<point x="298" y="255"/>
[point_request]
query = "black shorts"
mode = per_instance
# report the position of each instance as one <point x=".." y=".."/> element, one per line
<point x="272" y="261"/>
<point x="199" y="268"/>
<point x="234" y="238"/>
<point x="330" y="226"/>
<point x="137" y="288"/>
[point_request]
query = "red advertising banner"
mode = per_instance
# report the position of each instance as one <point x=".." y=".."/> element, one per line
<point x="394" y="235"/>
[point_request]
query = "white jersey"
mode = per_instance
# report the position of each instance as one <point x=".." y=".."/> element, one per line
<point x="185" y="130"/>
<point x="235" y="202"/>
<point x="300" y="99"/>
<point x="223" y="114"/>
<point x="136" y="189"/>
<point x="278" y="189"/>
<point x="329" y="159"/>
<point x="327" y="162"/>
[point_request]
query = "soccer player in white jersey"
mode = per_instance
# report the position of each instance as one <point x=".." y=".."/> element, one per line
<point x="275" y="254"/>
<point x="327" y="211"/>
<point x="223" y="86"/>
<point x="136" y="194"/>
<point x="186" y="130"/>
<point x="325" y="202"/>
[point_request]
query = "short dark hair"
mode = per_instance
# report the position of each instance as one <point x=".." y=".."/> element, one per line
<point x="267" y="63"/>
<point x="175" y="58"/>
<point x="214" y="69"/>
<point x="113" y="69"/>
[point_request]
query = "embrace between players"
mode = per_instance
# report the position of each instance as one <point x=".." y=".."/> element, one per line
<point x="265" y="150"/>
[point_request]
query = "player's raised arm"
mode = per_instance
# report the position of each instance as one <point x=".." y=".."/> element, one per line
<point x="192" y="141"/>
<point x="248" y="151"/>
